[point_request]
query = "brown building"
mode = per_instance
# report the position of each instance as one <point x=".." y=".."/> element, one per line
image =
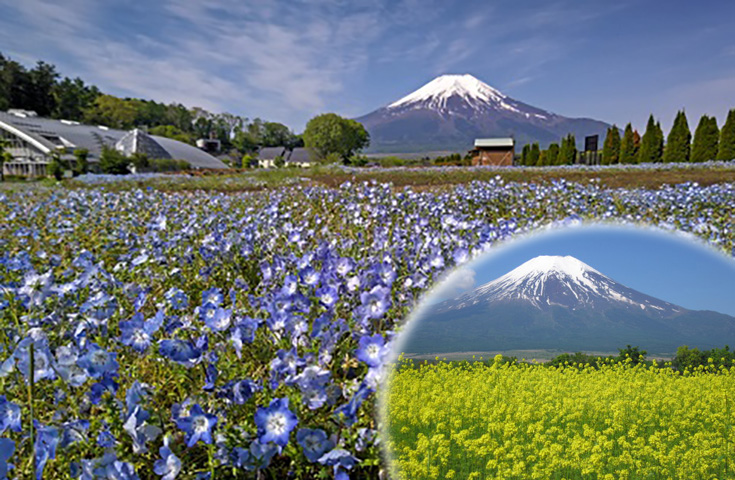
<point x="493" y="151"/>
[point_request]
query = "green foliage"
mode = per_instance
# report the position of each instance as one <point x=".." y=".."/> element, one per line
<point x="358" y="161"/>
<point x="139" y="160"/>
<point x="611" y="148"/>
<point x="113" y="162"/>
<point x="679" y="140"/>
<point x="651" y="149"/>
<point x="170" y="131"/>
<point x="4" y="156"/>
<point x="81" y="165"/>
<point x="249" y="161"/>
<point x="113" y="112"/>
<point x="534" y="154"/>
<point x="552" y="154"/>
<point x="727" y="138"/>
<point x="525" y="154"/>
<point x="579" y="358"/>
<point x="279" y="162"/>
<point x="72" y="98"/>
<point x="706" y="140"/>
<point x="331" y="134"/>
<point x="55" y="168"/>
<point x="628" y="151"/>
<point x="567" y="151"/>
<point x="633" y="353"/>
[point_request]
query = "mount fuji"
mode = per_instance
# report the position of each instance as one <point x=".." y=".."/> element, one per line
<point x="448" y="113"/>
<point x="553" y="302"/>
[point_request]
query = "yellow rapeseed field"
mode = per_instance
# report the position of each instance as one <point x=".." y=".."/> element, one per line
<point x="528" y="421"/>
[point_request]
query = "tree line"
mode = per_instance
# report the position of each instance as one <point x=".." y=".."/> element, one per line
<point x="43" y="90"/>
<point x="709" y="142"/>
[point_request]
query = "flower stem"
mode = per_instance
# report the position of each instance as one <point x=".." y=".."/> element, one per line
<point x="211" y="461"/>
<point x="31" y="371"/>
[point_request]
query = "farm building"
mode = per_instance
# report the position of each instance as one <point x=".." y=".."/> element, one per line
<point x="32" y="141"/>
<point x="493" y="151"/>
<point x="299" y="157"/>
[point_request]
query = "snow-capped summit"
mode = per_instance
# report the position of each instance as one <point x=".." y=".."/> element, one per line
<point x="451" y="111"/>
<point x="545" y="281"/>
<point x="437" y="92"/>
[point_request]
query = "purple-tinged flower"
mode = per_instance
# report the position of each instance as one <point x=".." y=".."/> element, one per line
<point x="376" y="302"/>
<point x="258" y="456"/>
<point x="372" y="350"/>
<point x="239" y="391"/>
<point x="7" y="448"/>
<point x="105" y="439"/>
<point x="349" y="410"/>
<point x="9" y="416"/>
<point x="197" y="426"/>
<point x="275" y="422"/>
<point x="315" y="443"/>
<point x="137" y="333"/>
<point x="339" y="458"/>
<point x="169" y="465"/>
<point x="309" y="276"/>
<point x="460" y="255"/>
<point x="327" y="295"/>
<point x="243" y="331"/>
<point x="344" y="266"/>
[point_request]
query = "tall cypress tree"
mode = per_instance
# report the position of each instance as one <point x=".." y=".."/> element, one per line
<point x="706" y="140"/>
<point x="552" y="154"/>
<point x="627" y="146"/>
<point x="680" y="137"/>
<point x="534" y="154"/>
<point x="524" y="154"/>
<point x="727" y="138"/>
<point x="651" y="143"/>
<point x="567" y="151"/>
<point x="611" y="148"/>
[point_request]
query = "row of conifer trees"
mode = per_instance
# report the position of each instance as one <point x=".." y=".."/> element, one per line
<point x="709" y="142"/>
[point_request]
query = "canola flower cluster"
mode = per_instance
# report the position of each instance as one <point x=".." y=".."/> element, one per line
<point x="529" y="421"/>
<point x="146" y="334"/>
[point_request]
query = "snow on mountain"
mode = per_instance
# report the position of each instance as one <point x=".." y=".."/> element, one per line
<point x="450" y="111"/>
<point x="563" y="281"/>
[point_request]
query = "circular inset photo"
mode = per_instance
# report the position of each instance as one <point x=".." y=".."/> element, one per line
<point x="590" y="352"/>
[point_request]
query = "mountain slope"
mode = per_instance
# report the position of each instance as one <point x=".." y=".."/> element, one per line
<point x="449" y="112"/>
<point x="562" y="303"/>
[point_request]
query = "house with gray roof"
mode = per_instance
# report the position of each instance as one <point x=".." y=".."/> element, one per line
<point x="34" y="140"/>
<point x="300" y="157"/>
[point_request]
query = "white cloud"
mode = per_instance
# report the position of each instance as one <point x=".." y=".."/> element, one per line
<point x="460" y="281"/>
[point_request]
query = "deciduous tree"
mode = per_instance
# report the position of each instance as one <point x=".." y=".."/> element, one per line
<point x="331" y="134"/>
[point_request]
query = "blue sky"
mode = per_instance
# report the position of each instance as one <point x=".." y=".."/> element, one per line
<point x="290" y="60"/>
<point x="665" y="265"/>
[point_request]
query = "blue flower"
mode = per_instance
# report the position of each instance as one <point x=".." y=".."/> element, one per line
<point x="338" y="458"/>
<point x="73" y="431"/>
<point x="98" y="362"/>
<point x="105" y="439"/>
<point x="275" y="422"/>
<point x="197" y="426"/>
<point x="7" y="448"/>
<point x="327" y="295"/>
<point x="349" y="410"/>
<point x="47" y="439"/>
<point x="177" y="299"/>
<point x="213" y="296"/>
<point x="97" y="390"/>
<point x="140" y="430"/>
<point x="216" y="318"/>
<point x="372" y="350"/>
<point x="180" y="351"/>
<point x="9" y="416"/>
<point x="314" y="443"/>
<point x="169" y="465"/>
<point x="42" y="359"/>
<point x="137" y="334"/>
<point x="376" y="302"/>
<point x="67" y="368"/>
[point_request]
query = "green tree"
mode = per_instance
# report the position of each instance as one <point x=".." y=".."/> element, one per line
<point x="113" y="112"/>
<point x="55" y="168"/>
<point x="81" y="165"/>
<point x="552" y="154"/>
<point x="534" y="154"/>
<point x="678" y="144"/>
<point x="567" y="151"/>
<point x="277" y="135"/>
<point x="634" y="353"/>
<point x="706" y="140"/>
<point x="651" y="148"/>
<point x="525" y="154"/>
<point x="171" y="131"/>
<point x="727" y="138"/>
<point x="688" y="358"/>
<point x="611" y="148"/>
<point x="72" y="97"/>
<point x="113" y="162"/>
<point x="331" y="134"/>
<point x="4" y="157"/>
<point x="627" y="147"/>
